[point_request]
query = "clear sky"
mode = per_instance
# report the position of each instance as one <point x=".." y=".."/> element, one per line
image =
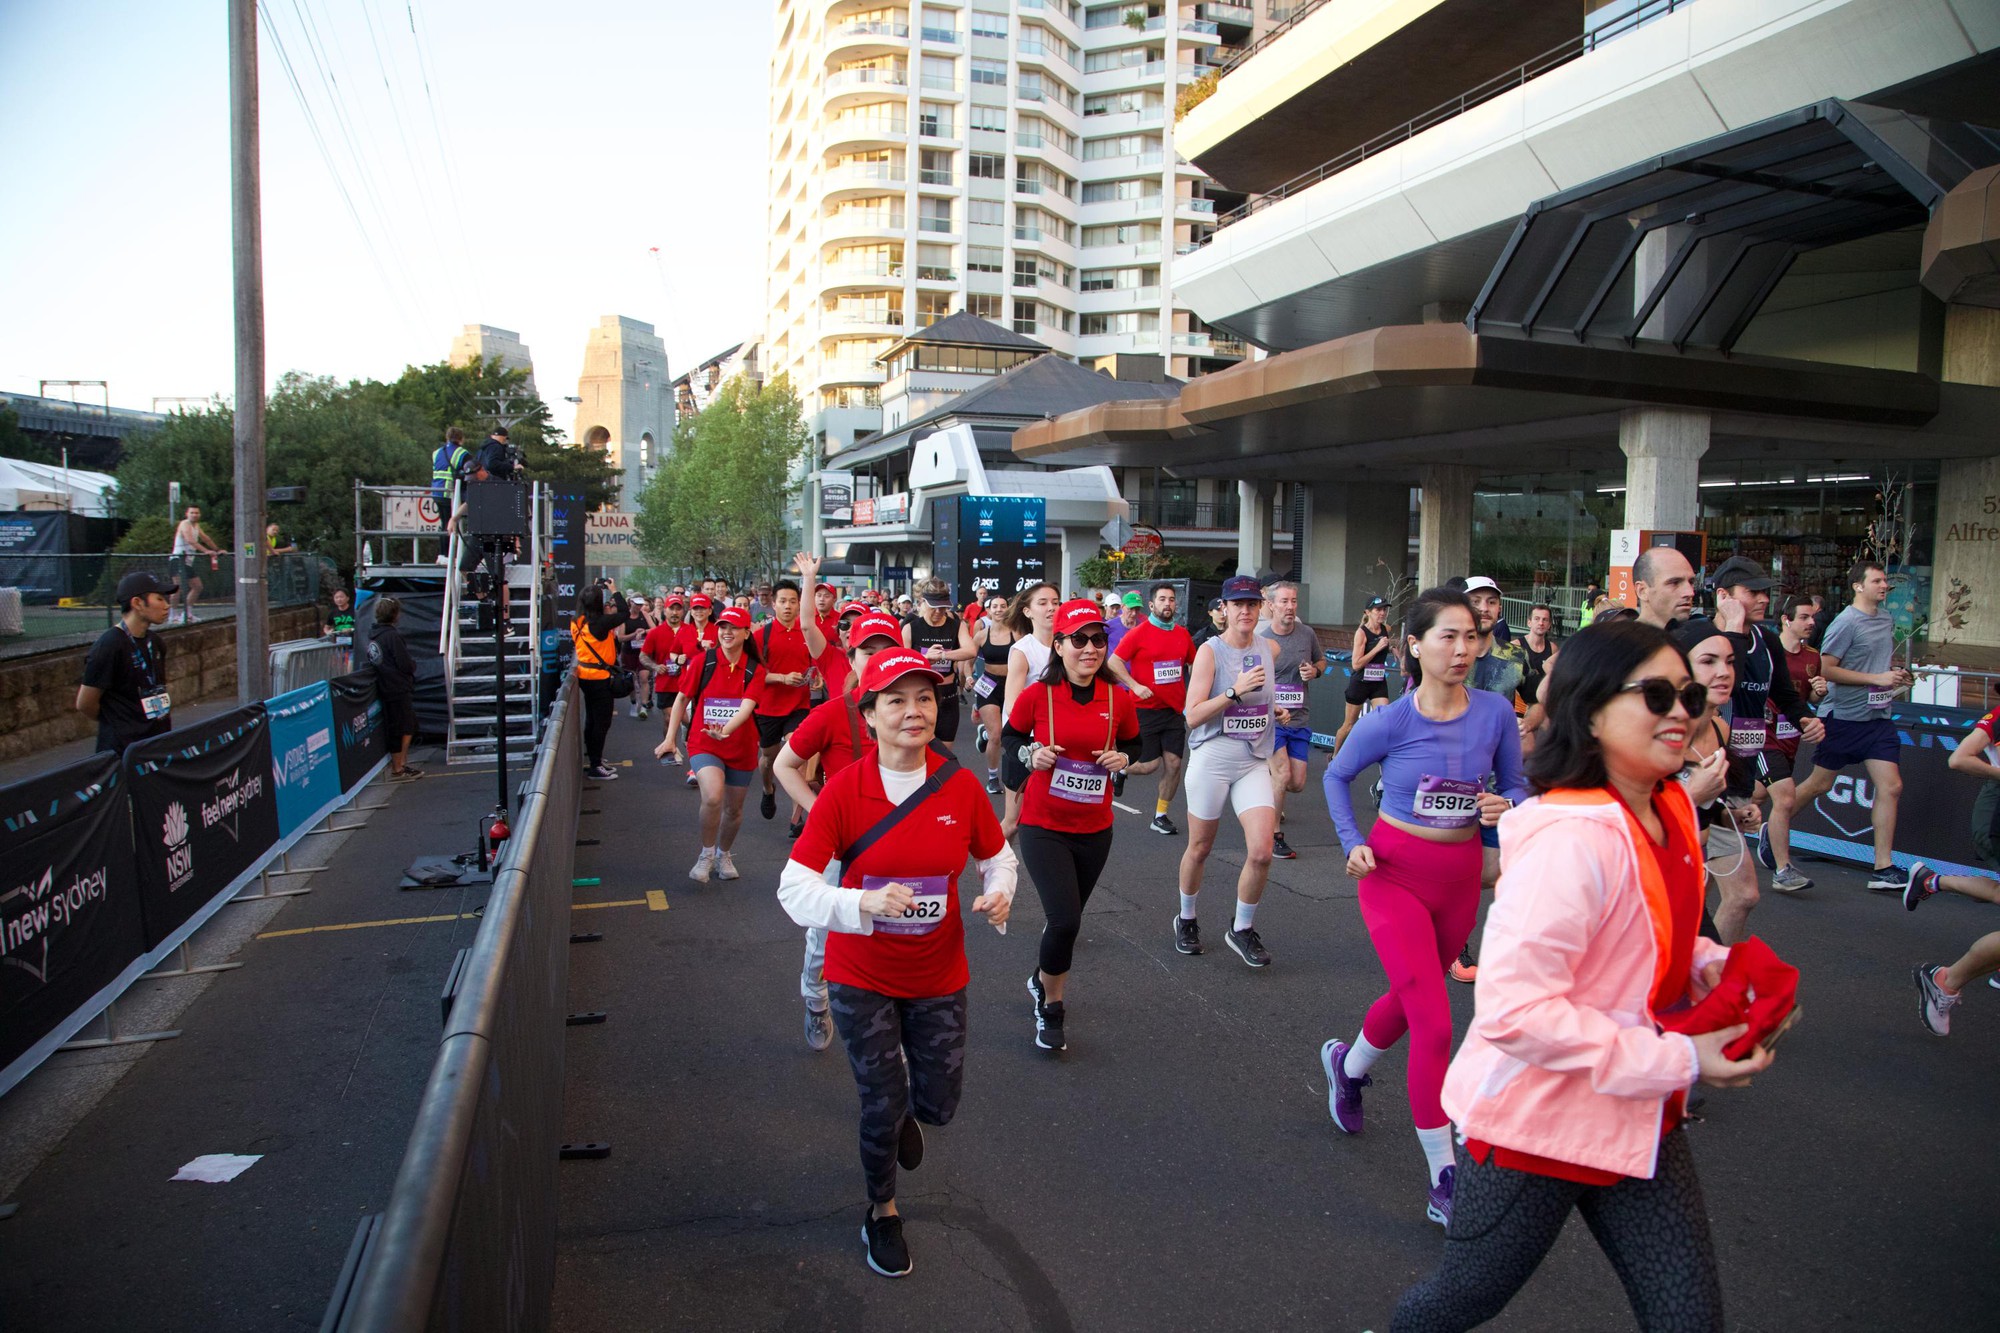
<point x="557" y="145"/>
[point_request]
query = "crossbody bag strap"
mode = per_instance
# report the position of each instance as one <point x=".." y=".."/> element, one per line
<point x="853" y="722"/>
<point x="932" y="786"/>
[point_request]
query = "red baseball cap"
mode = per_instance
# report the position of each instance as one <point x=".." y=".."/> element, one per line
<point x="852" y="608"/>
<point x="676" y="601"/>
<point x="873" y="625"/>
<point x="1077" y="614"/>
<point x="736" y="616"/>
<point x="886" y="668"/>
<point x="700" y="600"/>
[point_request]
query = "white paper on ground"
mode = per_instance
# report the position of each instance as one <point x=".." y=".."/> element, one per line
<point x="216" y="1168"/>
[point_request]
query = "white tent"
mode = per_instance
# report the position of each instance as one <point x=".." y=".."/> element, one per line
<point x="42" y="486"/>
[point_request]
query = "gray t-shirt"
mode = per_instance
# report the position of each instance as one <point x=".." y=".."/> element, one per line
<point x="1866" y="644"/>
<point x="1294" y="651"/>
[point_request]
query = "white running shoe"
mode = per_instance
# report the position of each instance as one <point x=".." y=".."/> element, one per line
<point x="703" y="864"/>
<point x="725" y="866"/>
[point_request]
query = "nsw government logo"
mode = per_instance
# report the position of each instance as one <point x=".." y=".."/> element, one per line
<point x="180" y="856"/>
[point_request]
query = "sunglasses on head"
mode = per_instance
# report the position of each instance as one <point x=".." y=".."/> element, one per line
<point x="1659" y="695"/>
<point x="1090" y="639"/>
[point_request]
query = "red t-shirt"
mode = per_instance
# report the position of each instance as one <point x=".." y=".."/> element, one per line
<point x="830" y="731"/>
<point x="1804" y="665"/>
<point x="1151" y="654"/>
<point x="695" y="638"/>
<point x="934" y="840"/>
<point x="1081" y="803"/>
<point x="662" y="642"/>
<point x="835" y="669"/>
<point x="784" y="651"/>
<point x="725" y="684"/>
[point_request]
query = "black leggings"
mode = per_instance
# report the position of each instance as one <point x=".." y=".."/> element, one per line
<point x="596" y="718"/>
<point x="947" y="722"/>
<point x="1065" y="867"/>
<point x="908" y="1058"/>
<point x="1654" y="1232"/>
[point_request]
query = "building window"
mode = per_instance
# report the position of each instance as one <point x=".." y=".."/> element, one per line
<point x="983" y="304"/>
<point x="992" y="118"/>
<point x="986" y="212"/>
<point x="935" y="120"/>
<point x="988" y="25"/>
<point x="986" y="166"/>
<point x="941" y="72"/>
<point x="993" y="72"/>
<point x="935" y="167"/>
<point x="940" y="25"/>
<point x="982" y="258"/>
<point x="932" y="307"/>
<point x="1024" y="270"/>
<point x="934" y="215"/>
<point x="1122" y="233"/>
<point x="1103" y="192"/>
<point x="1024" y="317"/>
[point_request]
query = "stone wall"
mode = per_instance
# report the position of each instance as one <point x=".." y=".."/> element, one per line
<point x="38" y="693"/>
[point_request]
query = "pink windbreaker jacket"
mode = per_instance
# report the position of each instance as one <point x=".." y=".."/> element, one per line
<point x="1563" y="1058"/>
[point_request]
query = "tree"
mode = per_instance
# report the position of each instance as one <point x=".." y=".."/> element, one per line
<point x="1100" y="572"/>
<point x="18" y="444"/>
<point x="718" y="500"/>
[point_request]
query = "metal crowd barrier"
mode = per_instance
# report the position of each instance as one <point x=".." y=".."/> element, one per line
<point x="468" y="1238"/>
<point x="300" y="662"/>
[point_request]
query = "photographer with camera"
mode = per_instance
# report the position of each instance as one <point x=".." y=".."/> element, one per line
<point x="499" y="457"/>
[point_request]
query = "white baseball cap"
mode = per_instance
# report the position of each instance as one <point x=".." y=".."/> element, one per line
<point x="1480" y="583"/>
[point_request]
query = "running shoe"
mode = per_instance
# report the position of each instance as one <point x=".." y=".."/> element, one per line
<point x="1934" y="1003"/>
<point x="1889" y="879"/>
<point x="1343" y="1094"/>
<point x="819" y="1028"/>
<point x="645" y="712"/>
<point x="1048" y="1017"/>
<point x="796" y="827"/>
<point x="1162" y="824"/>
<point x="1118" y="783"/>
<point x="1248" y="947"/>
<point x="407" y="775"/>
<point x="1790" y="879"/>
<point x="992" y="784"/>
<point x="1437" y="1204"/>
<point x="725" y="866"/>
<point x="768" y="807"/>
<point x="672" y="760"/>
<point x="691" y="781"/>
<point x="1187" y="934"/>
<point x="1463" y="968"/>
<point x="882" y="1237"/>
<point x="1923" y="883"/>
<point x="704" y="865"/>
<point x="910" y="1144"/>
<point x="1282" y="850"/>
<point x="604" y="773"/>
<point x="1765" y="857"/>
<point x="1994" y="981"/>
<point x="980" y="736"/>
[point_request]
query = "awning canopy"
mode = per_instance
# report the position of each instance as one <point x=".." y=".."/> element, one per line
<point x="1685" y="248"/>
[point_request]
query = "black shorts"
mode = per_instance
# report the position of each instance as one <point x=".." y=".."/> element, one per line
<point x="1161" y="731"/>
<point x="399" y="719"/>
<point x="1360" y="691"/>
<point x="773" y="728"/>
<point x="948" y="711"/>
<point x="664" y="699"/>
<point x="1776" y="766"/>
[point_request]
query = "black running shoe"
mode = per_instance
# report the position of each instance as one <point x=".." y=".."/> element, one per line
<point x="1282" y="850"/>
<point x="1187" y="934"/>
<point x="888" y="1253"/>
<point x="796" y="827"/>
<point x="910" y="1144"/>
<point x="768" y="807"/>
<point x="1248" y="947"/>
<point x="1048" y="1017"/>
<point x="1118" y="783"/>
<point x="1162" y="824"/>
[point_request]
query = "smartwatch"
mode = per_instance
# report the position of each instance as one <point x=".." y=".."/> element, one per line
<point x="1232" y="695"/>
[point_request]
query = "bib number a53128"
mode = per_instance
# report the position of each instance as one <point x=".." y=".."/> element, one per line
<point x="1080" y="781"/>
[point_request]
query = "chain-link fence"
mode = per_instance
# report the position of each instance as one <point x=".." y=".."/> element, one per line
<point x="76" y="594"/>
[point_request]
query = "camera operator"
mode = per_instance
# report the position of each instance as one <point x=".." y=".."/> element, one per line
<point x="498" y="456"/>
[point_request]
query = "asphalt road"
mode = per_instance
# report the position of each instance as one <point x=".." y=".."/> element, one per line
<point x="1177" y="1168"/>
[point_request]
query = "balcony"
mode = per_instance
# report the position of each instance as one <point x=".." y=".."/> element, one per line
<point x="1202" y="206"/>
<point x="1235" y="16"/>
<point x="889" y="318"/>
<point x="940" y="226"/>
<point x="935" y="176"/>
<point x="856" y="224"/>
<point x="1219" y="514"/>
<point x="938" y="83"/>
<point x="1219" y="346"/>
<point x="866" y="177"/>
<point x="853" y="85"/>
<point x="1191" y="344"/>
<point x="859" y="131"/>
<point x="869" y="34"/>
<point x="933" y="273"/>
<point x="941" y="36"/>
<point x="864" y="274"/>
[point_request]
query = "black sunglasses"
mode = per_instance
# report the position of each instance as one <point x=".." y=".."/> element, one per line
<point x="1097" y="640"/>
<point x="1660" y="693"/>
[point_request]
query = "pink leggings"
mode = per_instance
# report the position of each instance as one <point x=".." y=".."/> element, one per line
<point x="1419" y="905"/>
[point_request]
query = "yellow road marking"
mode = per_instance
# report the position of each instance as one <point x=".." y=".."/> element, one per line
<point x="656" y="900"/>
<point x="449" y="916"/>
<point x="622" y="902"/>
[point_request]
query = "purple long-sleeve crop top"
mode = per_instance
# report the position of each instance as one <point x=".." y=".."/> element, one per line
<point x="1431" y="771"/>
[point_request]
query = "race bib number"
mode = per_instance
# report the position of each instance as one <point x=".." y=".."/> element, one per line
<point x="715" y="713"/>
<point x="1785" y="730"/>
<point x="155" y="705"/>
<point x="925" y="912"/>
<point x="1375" y="672"/>
<point x="1079" y="780"/>
<point x="1446" y="802"/>
<point x="1245" y="720"/>
<point x="1881" y="698"/>
<point x="1289" y="696"/>
<point x="1166" y="673"/>
<point x="983" y="687"/>
<point x="673" y="668"/>
<point x="1747" y="735"/>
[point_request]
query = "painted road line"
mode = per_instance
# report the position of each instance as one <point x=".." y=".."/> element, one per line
<point x="449" y="916"/>
<point x="1127" y="809"/>
<point x="622" y="902"/>
<point x="656" y="900"/>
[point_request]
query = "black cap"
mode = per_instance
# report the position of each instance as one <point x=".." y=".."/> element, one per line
<point x="1215" y="603"/>
<point x="500" y="432"/>
<point x="143" y="583"/>
<point x="1699" y="629"/>
<point x="1742" y="572"/>
<point x="1374" y="602"/>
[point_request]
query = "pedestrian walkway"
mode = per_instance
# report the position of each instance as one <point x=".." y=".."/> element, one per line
<point x="1177" y="1168"/>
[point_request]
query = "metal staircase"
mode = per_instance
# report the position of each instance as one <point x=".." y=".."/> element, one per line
<point x="471" y="636"/>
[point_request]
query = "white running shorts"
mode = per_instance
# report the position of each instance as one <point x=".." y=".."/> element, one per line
<point x="1221" y="769"/>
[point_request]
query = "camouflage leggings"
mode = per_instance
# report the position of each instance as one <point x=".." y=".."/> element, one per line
<point x="908" y="1058"/>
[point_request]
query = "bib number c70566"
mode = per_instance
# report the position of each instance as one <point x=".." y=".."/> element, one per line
<point x="1245" y="720"/>
<point x="926" y="910"/>
<point x="1442" y="802"/>
<point x="1080" y="781"/>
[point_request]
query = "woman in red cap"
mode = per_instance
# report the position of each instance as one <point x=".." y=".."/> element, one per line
<point x="717" y="705"/>
<point x="902" y="828"/>
<point x="1069" y="732"/>
<point x="697" y="636"/>
<point x="1031" y="617"/>
<point x="989" y="683"/>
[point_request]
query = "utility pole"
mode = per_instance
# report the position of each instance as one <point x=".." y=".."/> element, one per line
<point x="253" y="630"/>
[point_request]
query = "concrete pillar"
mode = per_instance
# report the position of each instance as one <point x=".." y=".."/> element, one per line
<point x="1349" y="529"/>
<point x="1444" y="522"/>
<point x="1663" y="448"/>
<point x="1965" y="566"/>
<point x="1253" y="525"/>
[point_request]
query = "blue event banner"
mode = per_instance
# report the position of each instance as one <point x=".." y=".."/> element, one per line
<point x="305" y="763"/>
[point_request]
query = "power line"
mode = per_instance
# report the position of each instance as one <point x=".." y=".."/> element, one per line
<point x="446" y="155"/>
<point x="417" y="178"/>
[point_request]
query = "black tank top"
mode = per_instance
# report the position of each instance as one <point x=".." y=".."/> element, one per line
<point x="924" y="635"/>
<point x="994" y="655"/>
<point x="1369" y="638"/>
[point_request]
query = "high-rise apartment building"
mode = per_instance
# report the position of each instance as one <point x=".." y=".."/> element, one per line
<point x="1012" y="158"/>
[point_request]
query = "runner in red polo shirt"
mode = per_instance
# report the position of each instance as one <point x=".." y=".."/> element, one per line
<point x="787" y="656"/>
<point x="1152" y="660"/>
<point x="718" y="705"/>
<point x="697" y="637"/>
<point x="902" y="828"/>
<point x="1070" y="731"/>
<point x="662" y="655"/>
<point x="832" y="737"/>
